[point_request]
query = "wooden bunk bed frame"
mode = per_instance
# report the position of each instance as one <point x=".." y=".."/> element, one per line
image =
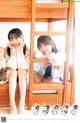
<point x="30" y="11"/>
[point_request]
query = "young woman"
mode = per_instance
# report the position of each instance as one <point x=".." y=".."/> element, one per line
<point x="53" y="69"/>
<point x="17" y="60"/>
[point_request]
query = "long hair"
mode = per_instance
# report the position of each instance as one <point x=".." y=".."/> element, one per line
<point x="16" y="33"/>
<point x="46" y="40"/>
<point x="24" y="50"/>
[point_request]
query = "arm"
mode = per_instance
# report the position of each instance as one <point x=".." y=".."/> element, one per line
<point x="56" y="59"/>
<point x="6" y="54"/>
<point x="27" y="56"/>
<point x="1" y="56"/>
<point x="39" y="67"/>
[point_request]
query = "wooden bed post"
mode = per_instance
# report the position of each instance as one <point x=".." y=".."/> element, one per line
<point x="31" y="50"/>
<point x="68" y="40"/>
<point x="50" y="25"/>
<point x="73" y="66"/>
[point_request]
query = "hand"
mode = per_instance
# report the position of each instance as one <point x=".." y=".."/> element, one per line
<point x="22" y="44"/>
<point x="47" y="56"/>
<point x="10" y="45"/>
<point x="3" y="69"/>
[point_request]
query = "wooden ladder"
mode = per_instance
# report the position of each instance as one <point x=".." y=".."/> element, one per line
<point x="62" y="92"/>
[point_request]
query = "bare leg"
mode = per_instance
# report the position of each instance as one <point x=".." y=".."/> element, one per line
<point x="22" y="87"/>
<point x="37" y="78"/>
<point x="49" y="79"/>
<point x="12" y="89"/>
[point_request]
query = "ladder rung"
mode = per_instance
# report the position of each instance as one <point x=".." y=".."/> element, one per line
<point x="49" y="33"/>
<point x="52" y="5"/>
<point x="40" y="60"/>
<point x="47" y="86"/>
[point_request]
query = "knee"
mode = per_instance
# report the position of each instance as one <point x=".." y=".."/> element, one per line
<point x="12" y="73"/>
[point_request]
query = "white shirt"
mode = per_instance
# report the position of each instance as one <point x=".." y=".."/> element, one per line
<point x="55" y="59"/>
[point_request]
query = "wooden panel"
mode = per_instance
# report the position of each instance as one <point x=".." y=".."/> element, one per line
<point x="50" y="5"/>
<point x="45" y="99"/>
<point x="22" y="9"/>
<point x="4" y="95"/>
<point x="68" y="97"/>
<point x="47" y="86"/>
<point x="4" y="19"/>
<point x="51" y="13"/>
<point x="59" y="97"/>
<point x="15" y="8"/>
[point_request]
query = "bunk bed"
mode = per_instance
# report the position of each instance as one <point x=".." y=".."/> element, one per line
<point x="32" y="11"/>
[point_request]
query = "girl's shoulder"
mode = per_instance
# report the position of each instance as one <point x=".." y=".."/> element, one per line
<point x="6" y="48"/>
<point x="1" y="48"/>
<point x="1" y="51"/>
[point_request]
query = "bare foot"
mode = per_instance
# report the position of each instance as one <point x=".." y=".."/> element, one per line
<point x="13" y="110"/>
<point x="22" y="111"/>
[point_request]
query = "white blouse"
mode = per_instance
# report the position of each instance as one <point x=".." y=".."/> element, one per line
<point x="55" y="59"/>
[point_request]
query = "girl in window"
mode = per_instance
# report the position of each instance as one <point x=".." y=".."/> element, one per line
<point x="53" y="69"/>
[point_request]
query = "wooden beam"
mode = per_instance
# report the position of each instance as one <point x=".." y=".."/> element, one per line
<point x="47" y="86"/>
<point x="68" y="40"/>
<point x="52" y="5"/>
<point x="49" y="33"/>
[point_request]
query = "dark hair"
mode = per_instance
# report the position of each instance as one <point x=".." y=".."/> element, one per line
<point x="46" y="40"/>
<point x="24" y="50"/>
<point x="16" y="33"/>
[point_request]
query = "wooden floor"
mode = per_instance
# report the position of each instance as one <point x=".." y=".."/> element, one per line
<point x="6" y="110"/>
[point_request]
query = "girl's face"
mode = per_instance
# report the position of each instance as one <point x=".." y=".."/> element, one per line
<point x="45" y="49"/>
<point x="15" y="42"/>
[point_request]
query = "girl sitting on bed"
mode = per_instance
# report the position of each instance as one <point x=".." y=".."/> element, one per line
<point x="17" y="60"/>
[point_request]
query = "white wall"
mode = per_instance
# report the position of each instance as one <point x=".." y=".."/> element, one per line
<point x="6" y="27"/>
